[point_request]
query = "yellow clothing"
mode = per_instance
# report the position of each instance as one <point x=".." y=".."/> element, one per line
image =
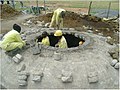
<point x="62" y="43"/>
<point x="56" y="19"/>
<point x="45" y="41"/>
<point x="11" y="41"/>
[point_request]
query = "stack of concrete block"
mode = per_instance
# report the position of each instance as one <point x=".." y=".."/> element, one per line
<point x="66" y="77"/>
<point x="115" y="64"/>
<point x="37" y="76"/>
<point x="17" y="58"/>
<point x="22" y="78"/>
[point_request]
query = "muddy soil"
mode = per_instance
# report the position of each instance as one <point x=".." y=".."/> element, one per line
<point x="7" y="11"/>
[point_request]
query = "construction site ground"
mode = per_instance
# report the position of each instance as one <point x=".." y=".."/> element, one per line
<point x="80" y="62"/>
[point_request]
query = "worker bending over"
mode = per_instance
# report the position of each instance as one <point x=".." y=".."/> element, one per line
<point x="62" y="43"/>
<point x="12" y="39"/>
<point x="45" y="39"/>
<point x="57" y="18"/>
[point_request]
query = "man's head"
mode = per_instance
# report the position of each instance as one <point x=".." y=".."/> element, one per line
<point x="44" y="34"/>
<point x="17" y="28"/>
<point x="62" y="14"/>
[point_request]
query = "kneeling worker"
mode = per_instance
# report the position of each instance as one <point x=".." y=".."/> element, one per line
<point x="45" y="39"/>
<point x="62" y="43"/>
<point x="12" y="39"/>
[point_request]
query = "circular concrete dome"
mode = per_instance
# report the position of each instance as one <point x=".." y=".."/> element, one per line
<point x="82" y="67"/>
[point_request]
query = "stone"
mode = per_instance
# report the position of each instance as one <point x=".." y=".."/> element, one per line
<point x="110" y="40"/>
<point x="19" y="57"/>
<point x="114" y="62"/>
<point x="57" y="56"/>
<point x="67" y="79"/>
<point x="90" y="31"/>
<point x="47" y="25"/>
<point x="113" y="51"/>
<point x="115" y="55"/>
<point x="92" y="77"/>
<point x="51" y="29"/>
<point x="117" y="65"/>
<point x="22" y="77"/>
<point x="22" y="83"/>
<point x="65" y="28"/>
<point x="72" y="29"/>
<point x="21" y="68"/>
<point x="101" y="34"/>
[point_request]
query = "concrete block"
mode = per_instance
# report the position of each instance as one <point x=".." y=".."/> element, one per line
<point x="57" y="56"/>
<point x="24" y="73"/>
<point x="22" y="83"/>
<point x="19" y="57"/>
<point x="93" y="79"/>
<point x="114" y="62"/>
<point x="36" y="78"/>
<point x="22" y="77"/>
<point x="16" y="60"/>
<point x="67" y="79"/>
<point x="21" y="68"/>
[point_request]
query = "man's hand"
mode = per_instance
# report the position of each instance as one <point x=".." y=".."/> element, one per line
<point x="56" y="45"/>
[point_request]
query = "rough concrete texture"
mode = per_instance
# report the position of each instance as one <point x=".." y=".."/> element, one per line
<point x="89" y="65"/>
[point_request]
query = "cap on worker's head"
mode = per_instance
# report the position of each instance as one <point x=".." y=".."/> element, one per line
<point x="17" y="28"/>
<point x="44" y="33"/>
<point x="58" y="33"/>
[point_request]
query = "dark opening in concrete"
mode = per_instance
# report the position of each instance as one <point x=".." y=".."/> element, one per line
<point x="72" y="41"/>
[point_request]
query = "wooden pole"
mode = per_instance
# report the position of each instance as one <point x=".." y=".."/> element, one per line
<point x="89" y="8"/>
<point x="44" y="6"/>
<point x="37" y="6"/>
<point x="108" y="9"/>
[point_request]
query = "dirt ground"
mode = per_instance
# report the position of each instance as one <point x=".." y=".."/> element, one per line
<point x="8" y="12"/>
<point x="73" y="20"/>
